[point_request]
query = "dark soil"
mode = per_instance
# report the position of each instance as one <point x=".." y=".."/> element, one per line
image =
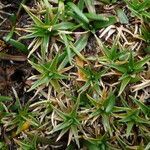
<point x="12" y="73"/>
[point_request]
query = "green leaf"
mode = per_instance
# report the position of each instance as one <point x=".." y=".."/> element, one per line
<point x="55" y="85"/>
<point x="75" y="131"/>
<point x="36" y="20"/>
<point x="145" y="32"/>
<point x="146" y="14"/>
<point x="63" y="131"/>
<point x="61" y="126"/>
<point x="131" y="115"/>
<point x="120" y="109"/>
<point x="97" y="17"/>
<point x="10" y="34"/>
<point x="122" y="16"/>
<point x="90" y="5"/>
<point x="145" y="109"/>
<point x="42" y="80"/>
<point x="80" y="45"/>
<point x="131" y="62"/>
<point x="63" y="26"/>
<point x="76" y="106"/>
<point x="91" y="146"/>
<point x="119" y="68"/>
<point x="81" y="5"/>
<point x="129" y="128"/>
<point x="124" y="83"/>
<point x="5" y="98"/>
<point x="54" y="63"/>
<point x="142" y="62"/>
<point x="78" y="12"/>
<point x="106" y="124"/>
<point x="44" y="45"/>
<point x="55" y="19"/>
<point x="30" y="36"/>
<point x="84" y="87"/>
<point x="147" y="49"/>
<point x="49" y="12"/>
<point x="67" y="48"/>
<point x="100" y="44"/>
<point x="92" y="100"/>
<point x="59" y="76"/>
<point x="110" y="103"/>
<point x="77" y="52"/>
<point x="59" y="112"/>
<point x="147" y="147"/>
<point x="38" y="67"/>
<point x="18" y="45"/>
<point x="102" y="24"/>
<point x="81" y="42"/>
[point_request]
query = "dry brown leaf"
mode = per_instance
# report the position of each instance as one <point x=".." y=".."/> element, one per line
<point x="80" y="74"/>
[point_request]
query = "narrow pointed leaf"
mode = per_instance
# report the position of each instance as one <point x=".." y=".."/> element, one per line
<point x="36" y="20"/>
<point x="64" y="26"/>
<point x="142" y="62"/>
<point x="143" y="107"/>
<point x="39" y="82"/>
<point x="56" y="85"/>
<point x="110" y="103"/>
<point x="124" y="83"/>
<point x="38" y="67"/>
<point x="90" y="5"/>
<point x="80" y="45"/>
<point x="78" y="12"/>
<point x="122" y="16"/>
<point x="97" y="17"/>
<point x="129" y="128"/>
<point x="67" y="47"/>
<point x="61" y="126"/>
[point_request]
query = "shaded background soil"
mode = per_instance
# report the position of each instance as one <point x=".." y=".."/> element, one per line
<point x="12" y="73"/>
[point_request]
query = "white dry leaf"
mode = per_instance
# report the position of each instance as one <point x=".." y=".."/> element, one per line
<point x="134" y="46"/>
<point x="35" y="47"/>
<point x="106" y="30"/>
<point x="144" y="84"/>
<point x="139" y="46"/>
<point x="32" y="43"/>
<point x="110" y="32"/>
<point x="136" y="29"/>
<point x="70" y="137"/>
